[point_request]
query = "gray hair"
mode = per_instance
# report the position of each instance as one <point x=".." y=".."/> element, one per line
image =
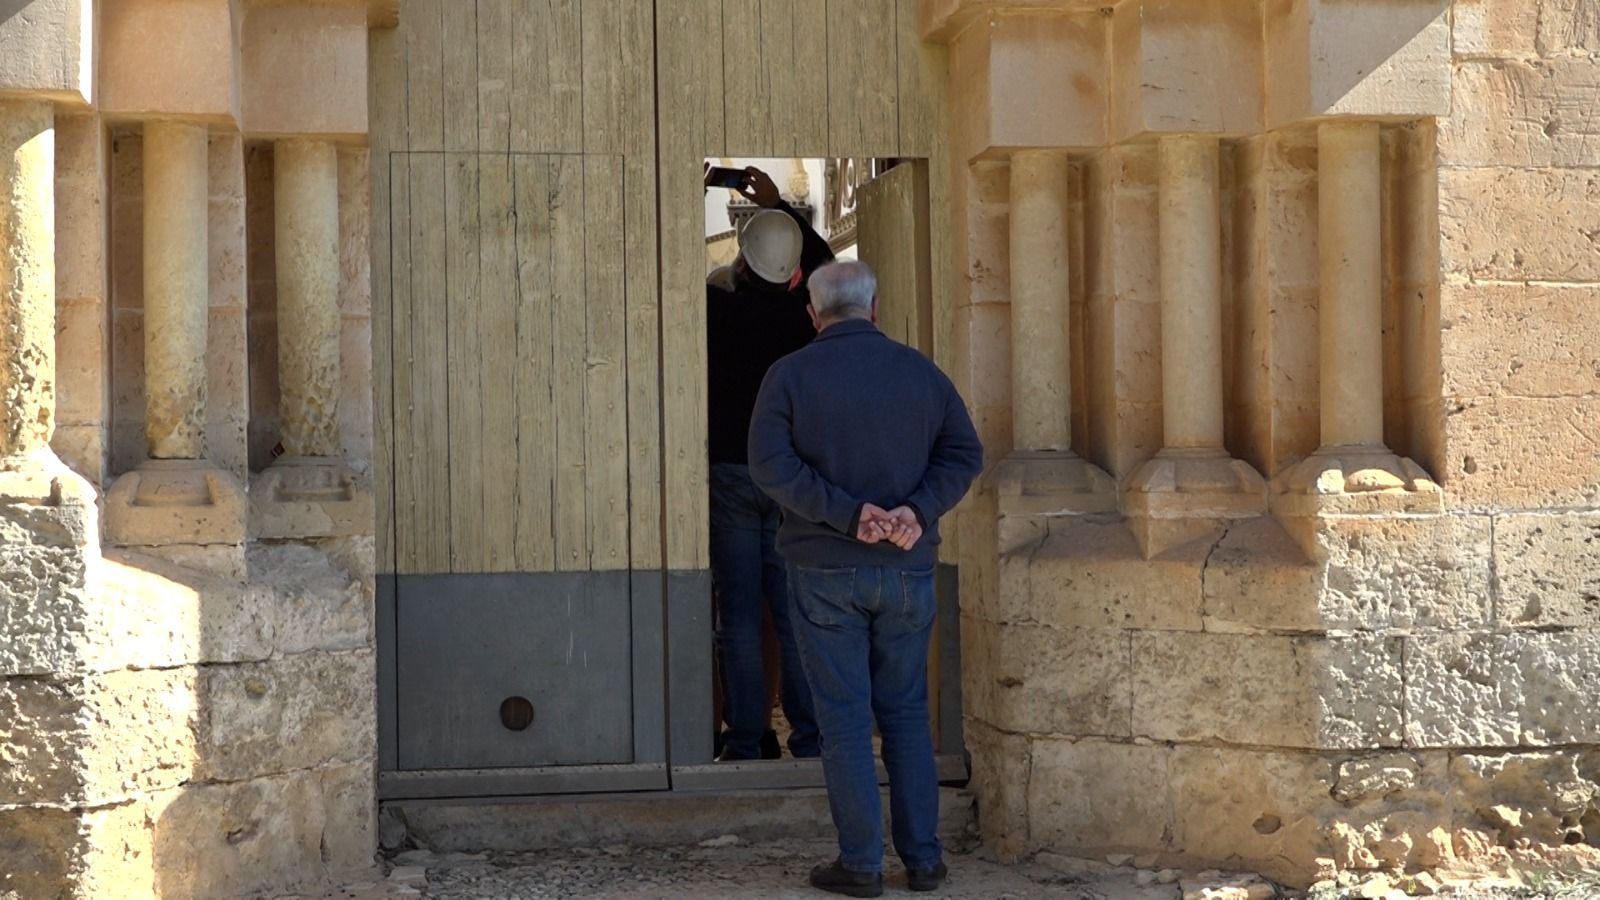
<point x="843" y="290"/>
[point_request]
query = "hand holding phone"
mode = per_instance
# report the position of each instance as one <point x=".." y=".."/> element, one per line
<point x="722" y="177"/>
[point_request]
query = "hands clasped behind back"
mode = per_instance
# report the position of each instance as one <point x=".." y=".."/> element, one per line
<point x="898" y="526"/>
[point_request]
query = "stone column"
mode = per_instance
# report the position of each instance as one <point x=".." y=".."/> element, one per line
<point x="1191" y="294"/>
<point x="27" y="281"/>
<point x="1353" y="470"/>
<point x="1350" y="270"/>
<point x="308" y="492"/>
<point x="30" y="472"/>
<point x="1041" y="361"/>
<point x="177" y="502"/>
<point x="1192" y="486"/>
<point x="176" y="289"/>
<point x="1042" y="476"/>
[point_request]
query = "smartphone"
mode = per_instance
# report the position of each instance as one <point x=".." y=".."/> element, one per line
<point x="721" y="177"/>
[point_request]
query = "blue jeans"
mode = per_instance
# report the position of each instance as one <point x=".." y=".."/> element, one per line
<point x="747" y="568"/>
<point x="864" y="636"/>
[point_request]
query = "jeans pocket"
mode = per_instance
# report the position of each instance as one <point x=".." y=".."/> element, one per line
<point x="918" y="601"/>
<point x="824" y="596"/>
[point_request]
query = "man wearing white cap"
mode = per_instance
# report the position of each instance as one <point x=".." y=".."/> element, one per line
<point x="755" y="315"/>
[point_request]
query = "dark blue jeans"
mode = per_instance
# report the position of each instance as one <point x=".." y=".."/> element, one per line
<point x="864" y="636"/>
<point x="747" y="569"/>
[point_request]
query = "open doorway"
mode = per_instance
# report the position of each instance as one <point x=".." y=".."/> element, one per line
<point x="875" y="210"/>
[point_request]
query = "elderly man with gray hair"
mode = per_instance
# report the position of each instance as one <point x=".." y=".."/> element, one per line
<point x="864" y="444"/>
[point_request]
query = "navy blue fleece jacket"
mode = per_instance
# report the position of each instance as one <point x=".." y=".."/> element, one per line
<point x="853" y="418"/>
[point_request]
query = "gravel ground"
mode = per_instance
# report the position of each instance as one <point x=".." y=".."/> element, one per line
<point x="725" y="869"/>
<point x="728" y="868"/>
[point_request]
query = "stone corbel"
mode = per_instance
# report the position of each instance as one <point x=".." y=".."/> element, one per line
<point x="1370" y="58"/>
<point x="47" y="51"/>
<point x="176" y="59"/>
<point x="1028" y="80"/>
<point x="304" y="68"/>
<point x="1190" y="67"/>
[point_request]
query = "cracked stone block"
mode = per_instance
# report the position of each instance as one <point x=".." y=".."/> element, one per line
<point x="1561" y="688"/>
<point x="236" y="839"/>
<point x="96" y="739"/>
<point x="1544" y="797"/>
<point x="1549" y="570"/>
<point x="1001" y="764"/>
<point x="1463" y="690"/>
<point x="320" y="605"/>
<point x="1072" y="681"/>
<point x="1091" y="574"/>
<point x="1276" y="810"/>
<point x="1090" y="797"/>
<point x="297" y="712"/>
<point x="1268" y="690"/>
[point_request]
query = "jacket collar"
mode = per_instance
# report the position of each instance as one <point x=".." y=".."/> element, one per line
<point x="847" y="328"/>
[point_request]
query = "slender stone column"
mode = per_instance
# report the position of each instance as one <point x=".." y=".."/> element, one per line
<point x="27" y="279"/>
<point x="1041" y="363"/>
<point x="1191" y="293"/>
<point x="1042" y="476"/>
<point x="1350" y="261"/>
<point x="177" y="503"/>
<point x="30" y="473"/>
<point x="176" y="289"/>
<point x="1193" y="486"/>
<point x="308" y="492"/>
<point x="306" y="191"/>
<point x="1353" y="471"/>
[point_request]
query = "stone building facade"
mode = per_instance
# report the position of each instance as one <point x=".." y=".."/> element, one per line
<point x="1279" y="320"/>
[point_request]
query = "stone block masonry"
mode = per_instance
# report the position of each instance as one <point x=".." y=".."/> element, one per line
<point x="210" y="738"/>
<point x="1396" y="665"/>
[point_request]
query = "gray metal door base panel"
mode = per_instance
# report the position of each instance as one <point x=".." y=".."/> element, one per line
<point x="762" y="774"/>
<point x="511" y="782"/>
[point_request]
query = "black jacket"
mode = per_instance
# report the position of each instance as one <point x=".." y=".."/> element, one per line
<point x="856" y="418"/>
<point x="751" y="324"/>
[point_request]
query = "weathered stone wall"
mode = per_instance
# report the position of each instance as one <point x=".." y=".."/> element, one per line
<point x="188" y="736"/>
<point x="192" y="715"/>
<point x="1401" y="687"/>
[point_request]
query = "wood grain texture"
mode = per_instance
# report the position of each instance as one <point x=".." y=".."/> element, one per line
<point x="535" y="376"/>
<point x="428" y="434"/>
<point x="863" y="78"/>
<point x="605" y="426"/>
<point x="571" y="342"/>
<point x="387" y="100"/>
<point x="424" y="74"/>
<point x="464" y="345"/>
<point x="547" y="77"/>
<point x="497" y="324"/>
<point x="637" y="27"/>
<point x="497" y="29"/>
<point x="689" y="130"/>
<point x="460" y="40"/>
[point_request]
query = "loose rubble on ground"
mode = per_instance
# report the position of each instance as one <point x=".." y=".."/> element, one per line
<point x="727" y="867"/>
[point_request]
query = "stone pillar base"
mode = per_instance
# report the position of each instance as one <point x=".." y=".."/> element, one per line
<point x="1350" y="481"/>
<point x="42" y="479"/>
<point x="309" y="497"/>
<point x="1355" y="480"/>
<point x="186" y="510"/>
<point x="1181" y="495"/>
<point x="1052" y="483"/>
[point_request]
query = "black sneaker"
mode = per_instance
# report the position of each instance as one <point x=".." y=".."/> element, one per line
<point x="770" y="748"/>
<point x="927" y="879"/>
<point x="836" y="879"/>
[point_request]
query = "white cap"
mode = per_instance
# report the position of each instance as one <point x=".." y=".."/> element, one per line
<point x="770" y="244"/>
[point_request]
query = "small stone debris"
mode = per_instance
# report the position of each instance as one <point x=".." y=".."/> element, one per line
<point x="726" y="840"/>
<point x="1214" y="886"/>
